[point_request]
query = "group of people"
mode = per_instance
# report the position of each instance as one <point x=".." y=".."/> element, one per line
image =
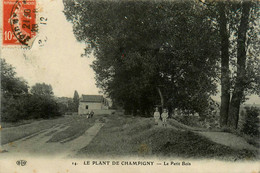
<point x="90" y="114"/>
<point x="157" y="116"/>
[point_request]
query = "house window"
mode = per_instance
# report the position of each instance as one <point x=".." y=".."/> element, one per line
<point x="86" y="106"/>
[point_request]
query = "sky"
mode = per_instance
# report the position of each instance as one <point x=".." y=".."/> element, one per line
<point x="57" y="61"/>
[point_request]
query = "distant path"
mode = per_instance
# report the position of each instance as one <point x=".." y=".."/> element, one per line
<point x="228" y="139"/>
<point x="82" y="141"/>
<point x="36" y="144"/>
<point x="223" y="138"/>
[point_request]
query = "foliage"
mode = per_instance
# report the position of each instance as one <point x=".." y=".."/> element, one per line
<point x="41" y="107"/>
<point x="11" y="85"/>
<point x="13" y="89"/>
<point x="251" y="125"/>
<point x="142" y="46"/>
<point x="238" y="25"/>
<point x="63" y="108"/>
<point x="12" y="109"/>
<point x="71" y="106"/>
<point x="29" y="107"/>
<point x="76" y="100"/>
<point x="17" y="104"/>
<point x="42" y="89"/>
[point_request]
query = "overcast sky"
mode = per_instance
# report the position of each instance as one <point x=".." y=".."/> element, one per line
<point x="58" y="61"/>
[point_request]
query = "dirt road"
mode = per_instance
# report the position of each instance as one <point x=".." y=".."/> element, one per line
<point x="37" y="143"/>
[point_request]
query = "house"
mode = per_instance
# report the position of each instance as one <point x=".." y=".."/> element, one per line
<point x="92" y="102"/>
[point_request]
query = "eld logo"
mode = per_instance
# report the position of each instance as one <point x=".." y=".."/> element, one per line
<point x="21" y="162"/>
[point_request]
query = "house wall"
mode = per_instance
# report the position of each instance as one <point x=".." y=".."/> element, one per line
<point x="91" y="106"/>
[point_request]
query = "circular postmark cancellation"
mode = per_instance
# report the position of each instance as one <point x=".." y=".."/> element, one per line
<point x="19" y="23"/>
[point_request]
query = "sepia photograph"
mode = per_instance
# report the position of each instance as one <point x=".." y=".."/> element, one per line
<point x="132" y="85"/>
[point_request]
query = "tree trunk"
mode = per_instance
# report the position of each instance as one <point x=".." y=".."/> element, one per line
<point x="225" y="79"/>
<point x="241" y="64"/>
<point x="161" y="97"/>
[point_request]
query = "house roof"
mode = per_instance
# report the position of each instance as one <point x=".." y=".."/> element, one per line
<point x="92" y="98"/>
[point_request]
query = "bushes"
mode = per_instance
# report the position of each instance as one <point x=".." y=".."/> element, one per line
<point x="18" y="104"/>
<point x="28" y="107"/>
<point x="42" y="107"/>
<point x="10" y="110"/>
<point x="251" y="124"/>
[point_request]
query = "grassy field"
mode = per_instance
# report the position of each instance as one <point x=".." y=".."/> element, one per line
<point x="135" y="136"/>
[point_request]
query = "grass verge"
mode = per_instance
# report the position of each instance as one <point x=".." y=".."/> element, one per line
<point x="77" y="127"/>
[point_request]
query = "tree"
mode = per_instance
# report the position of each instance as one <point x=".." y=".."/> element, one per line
<point x="152" y="53"/>
<point x="17" y="104"/>
<point x="71" y="106"/>
<point x="76" y="100"/>
<point x="242" y="33"/>
<point x="42" y="89"/>
<point x="237" y="22"/>
<point x="11" y="85"/>
<point x="40" y="106"/>
<point x="13" y="90"/>
<point x="239" y="87"/>
<point x="225" y="78"/>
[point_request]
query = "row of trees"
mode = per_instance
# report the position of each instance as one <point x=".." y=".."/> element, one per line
<point x="143" y="56"/>
<point x="238" y="28"/>
<point x="171" y="54"/>
<point x="18" y="103"/>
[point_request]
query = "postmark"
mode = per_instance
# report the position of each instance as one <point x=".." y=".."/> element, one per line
<point x="19" y="22"/>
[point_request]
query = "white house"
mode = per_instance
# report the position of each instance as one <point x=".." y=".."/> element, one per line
<point x="92" y="102"/>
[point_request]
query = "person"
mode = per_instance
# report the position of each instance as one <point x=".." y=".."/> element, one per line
<point x="164" y="116"/>
<point x="91" y="113"/>
<point x="156" y="116"/>
<point x="88" y="114"/>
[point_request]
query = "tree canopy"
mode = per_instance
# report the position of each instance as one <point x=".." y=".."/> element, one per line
<point x="42" y="89"/>
<point x="149" y="53"/>
<point x="11" y="85"/>
<point x="18" y="104"/>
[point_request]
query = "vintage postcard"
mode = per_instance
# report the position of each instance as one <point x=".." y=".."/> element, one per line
<point x="130" y="86"/>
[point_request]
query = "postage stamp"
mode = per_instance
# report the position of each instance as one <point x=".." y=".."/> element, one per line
<point x="129" y="86"/>
<point x="19" y="22"/>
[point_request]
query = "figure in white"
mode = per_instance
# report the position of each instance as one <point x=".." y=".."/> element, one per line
<point x="164" y="116"/>
<point x="156" y="116"/>
<point x="88" y="114"/>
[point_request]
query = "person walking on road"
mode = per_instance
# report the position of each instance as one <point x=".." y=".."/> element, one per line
<point x="164" y="117"/>
<point x="156" y="116"/>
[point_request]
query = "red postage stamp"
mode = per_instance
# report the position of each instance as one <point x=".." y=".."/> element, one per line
<point x="19" y="22"/>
